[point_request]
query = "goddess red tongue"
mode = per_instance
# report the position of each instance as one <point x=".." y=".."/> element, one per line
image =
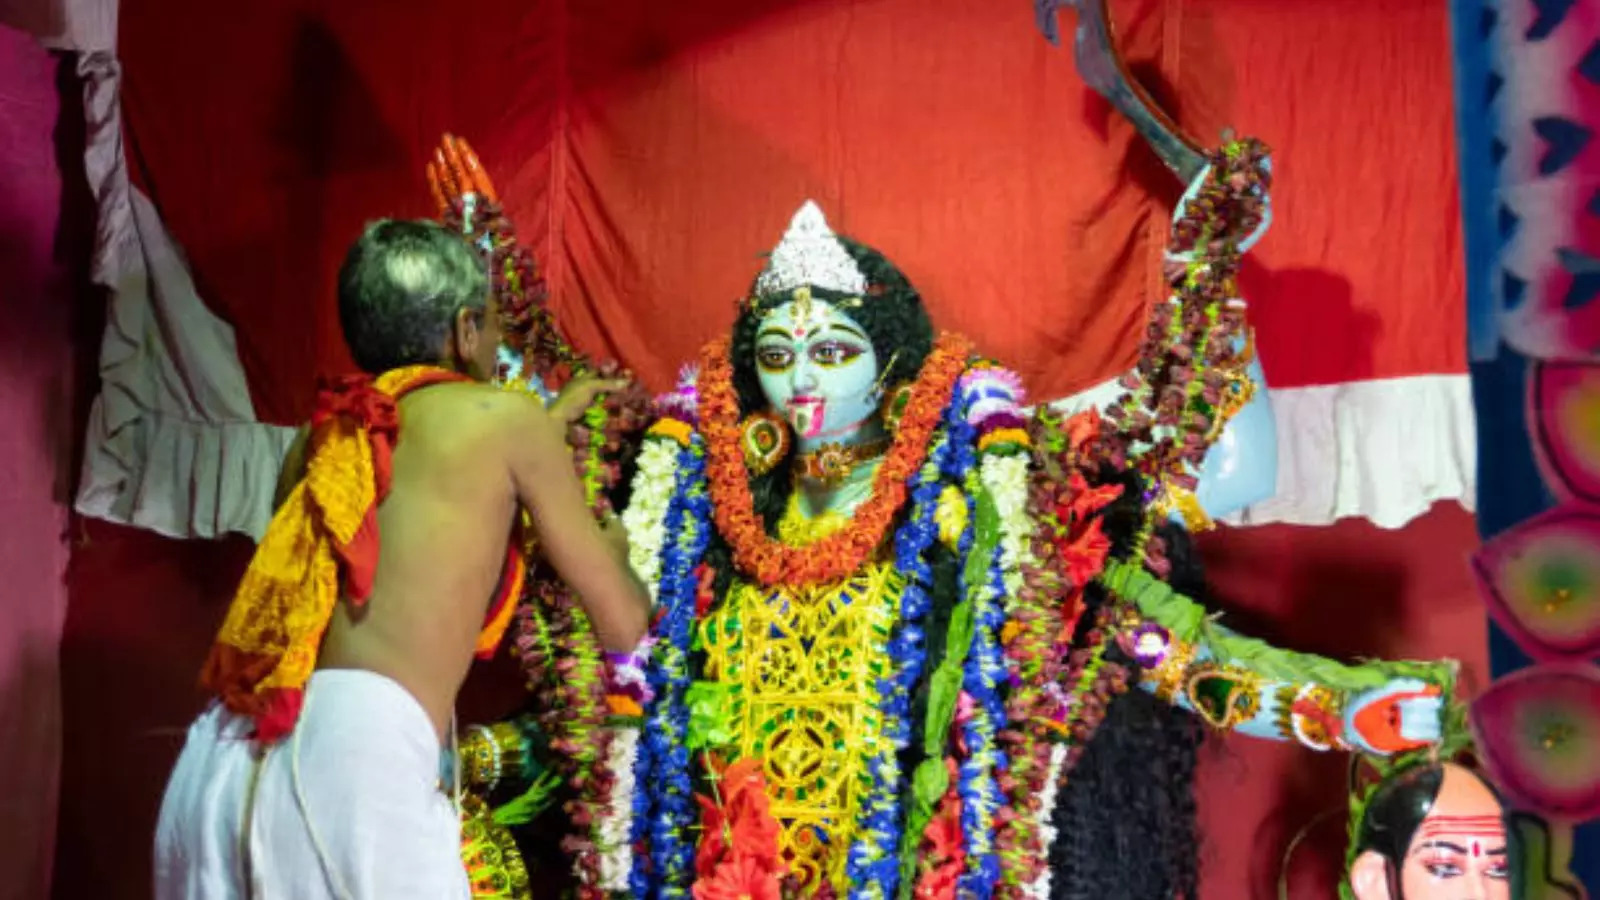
<point x="806" y="414"/>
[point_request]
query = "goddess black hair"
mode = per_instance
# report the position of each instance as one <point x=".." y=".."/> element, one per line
<point x="1396" y="809"/>
<point x="1125" y="819"/>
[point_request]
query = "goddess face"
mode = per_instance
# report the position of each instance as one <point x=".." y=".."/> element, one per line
<point x="1458" y="851"/>
<point x="818" y="370"/>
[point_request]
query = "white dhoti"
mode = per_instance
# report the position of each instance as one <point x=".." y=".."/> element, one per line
<point x="348" y="806"/>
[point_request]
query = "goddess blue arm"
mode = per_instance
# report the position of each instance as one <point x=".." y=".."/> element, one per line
<point x="1243" y="684"/>
<point x="1241" y="468"/>
<point x="1263" y="703"/>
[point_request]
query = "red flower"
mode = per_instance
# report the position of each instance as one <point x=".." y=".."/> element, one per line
<point x="739" y="878"/>
<point x="1082" y="429"/>
<point x="943" y="834"/>
<point x="943" y="854"/>
<point x="1079" y="501"/>
<point x="713" y="838"/>
<point x="1071" y="611"/>
<point x="739" y="828"/>
<point x="1085" y="555"/>
<point x="755" y="831"/>
<point x="705" y="578"/>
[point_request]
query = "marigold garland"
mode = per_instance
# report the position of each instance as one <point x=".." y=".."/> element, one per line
<point x="754" y="551"/>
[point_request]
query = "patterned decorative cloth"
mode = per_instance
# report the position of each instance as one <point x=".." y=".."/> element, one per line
<point x="1527" y="78"/>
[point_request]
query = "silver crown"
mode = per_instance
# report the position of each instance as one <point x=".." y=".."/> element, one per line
<point x="810" y="255"/>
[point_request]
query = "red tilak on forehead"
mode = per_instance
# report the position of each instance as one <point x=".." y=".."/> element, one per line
<point x="1465" y="826"/>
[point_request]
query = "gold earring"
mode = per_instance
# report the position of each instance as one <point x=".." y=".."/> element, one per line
<point x="765" y="440"/>
<point x="894" y="405"/>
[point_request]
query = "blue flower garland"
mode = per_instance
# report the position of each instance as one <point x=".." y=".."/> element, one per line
<point x="664" y="798"/>
<point x="982" y="676"/>
<point x="873" y="865"/>
<point x="908" y="647"/>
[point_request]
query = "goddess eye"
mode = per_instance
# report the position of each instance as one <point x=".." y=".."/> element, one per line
<point x="1442" y="869"/>
<point x="773" y="358"/>
<point x="834" y="353"/>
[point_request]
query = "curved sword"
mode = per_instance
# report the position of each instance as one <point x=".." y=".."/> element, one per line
<point x="1104" y="70"/>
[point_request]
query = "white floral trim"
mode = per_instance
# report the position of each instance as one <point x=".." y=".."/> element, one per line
<point x="1040" y="888"/>
<point x="1005" y="477"/>
<point x="616" y="850"/>
<point x="646" y="515"/>
<point x="646" y="521"/>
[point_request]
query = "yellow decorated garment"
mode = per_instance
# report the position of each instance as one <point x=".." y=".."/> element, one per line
<point x="322" y="544"/>
<point x="804" y="666"/>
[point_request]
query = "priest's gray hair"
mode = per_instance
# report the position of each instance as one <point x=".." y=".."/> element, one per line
<point x="401" y="288"/>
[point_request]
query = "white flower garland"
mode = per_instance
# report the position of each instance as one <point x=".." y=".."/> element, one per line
<point x="646" y="521"/>
<point x="1006" y="480"/>
<point x="616" y="850"/>
<point x="646" y="515"/>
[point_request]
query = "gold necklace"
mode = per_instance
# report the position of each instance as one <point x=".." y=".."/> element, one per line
<point x="831" y="464"/>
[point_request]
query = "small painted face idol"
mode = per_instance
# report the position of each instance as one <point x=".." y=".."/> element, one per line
<point x="817" y="368"/>
<point x="1434" y="832"/>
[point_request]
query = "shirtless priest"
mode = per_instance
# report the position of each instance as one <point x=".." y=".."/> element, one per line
<point x="318" y="773"/>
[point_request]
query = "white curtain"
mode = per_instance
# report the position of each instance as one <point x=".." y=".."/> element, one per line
<point x="1385" y="449"/>
<point x="173" y="442"/>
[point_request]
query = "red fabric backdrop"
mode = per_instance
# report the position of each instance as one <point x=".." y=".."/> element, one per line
<point x="650" y="152"/>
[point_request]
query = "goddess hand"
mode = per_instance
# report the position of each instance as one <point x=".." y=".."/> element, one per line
<point x="456" y="173"/>
<point x="1404" y="714"/>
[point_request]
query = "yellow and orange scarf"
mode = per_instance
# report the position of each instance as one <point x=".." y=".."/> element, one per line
<point x="321" y="544"/>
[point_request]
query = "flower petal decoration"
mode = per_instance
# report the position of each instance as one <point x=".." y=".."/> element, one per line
<point x="1564" y="399"/>
<point x="1541" y="582"/>
<point x="1538" y="732"/>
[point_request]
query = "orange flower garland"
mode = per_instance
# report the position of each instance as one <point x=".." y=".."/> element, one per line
<point x="846" y="551"/>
